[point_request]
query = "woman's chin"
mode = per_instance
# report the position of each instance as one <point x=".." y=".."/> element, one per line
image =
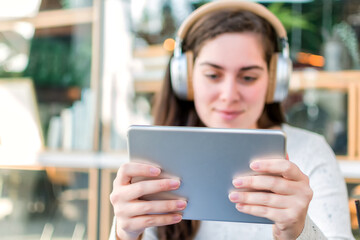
<point x="220" y="124"/>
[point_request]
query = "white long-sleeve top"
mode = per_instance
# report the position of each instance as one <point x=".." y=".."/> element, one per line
<point x="328" y="213"/>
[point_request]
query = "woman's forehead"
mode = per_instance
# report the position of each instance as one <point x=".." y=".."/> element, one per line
<point x="233" y="46"/>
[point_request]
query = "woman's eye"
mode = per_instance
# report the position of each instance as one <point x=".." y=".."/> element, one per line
<point x="212" y="76"/>
<point x="249" y="78"/>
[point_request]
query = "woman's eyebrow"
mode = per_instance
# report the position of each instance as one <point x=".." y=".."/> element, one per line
<point x="251" y="67"/>
<point x="211" y="64"/>
<point x="241" y="69"/>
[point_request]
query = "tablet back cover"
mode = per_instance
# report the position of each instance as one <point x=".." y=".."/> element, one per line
<point x="206" y="160"/>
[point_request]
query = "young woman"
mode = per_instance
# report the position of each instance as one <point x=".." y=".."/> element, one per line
<point x="232" y="46"/>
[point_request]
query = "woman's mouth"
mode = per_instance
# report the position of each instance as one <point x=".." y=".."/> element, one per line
<point x="229" y="114"/>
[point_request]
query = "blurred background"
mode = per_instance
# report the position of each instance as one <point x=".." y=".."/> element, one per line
<point x="74" y="74"/>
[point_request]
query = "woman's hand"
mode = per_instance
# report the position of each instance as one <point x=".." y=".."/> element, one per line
<point x="134" y="215"/>
<point x="281" y="193"/>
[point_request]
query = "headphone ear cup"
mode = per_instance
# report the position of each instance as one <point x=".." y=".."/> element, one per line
<point x="190" y="67"/>
<point x="178" y="75"/>
<point x="272" y="78"/>
<point x="279" y="76"/>
<point x="181" y="69"/>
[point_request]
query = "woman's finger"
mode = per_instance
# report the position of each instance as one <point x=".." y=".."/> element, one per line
<point x="279" y="216"/>
<point x="260" y="198"/>
<point x="281" y="167"/>
<point x="155" y="207"/>
<point x="273" y="184"/>
<point x="129" y="170"/>
<point x="137" y="190"/>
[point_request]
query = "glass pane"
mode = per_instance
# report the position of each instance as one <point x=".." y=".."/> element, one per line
<point x="56" y="53"/>
<point x="54" y="58"/>
<point x="64" y="4"/>
<point x="323" y="112"/>
<point x="35" y="203"/>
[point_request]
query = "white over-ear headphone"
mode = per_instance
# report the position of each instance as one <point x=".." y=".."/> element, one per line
<point x="280" y="64"/>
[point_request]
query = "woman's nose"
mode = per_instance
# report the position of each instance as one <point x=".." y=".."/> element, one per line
<point x="229" y="90"/>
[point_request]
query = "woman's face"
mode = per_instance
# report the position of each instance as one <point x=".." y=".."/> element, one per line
<point x="230" y="80"/>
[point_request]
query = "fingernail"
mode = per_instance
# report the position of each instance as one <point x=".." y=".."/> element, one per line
<point x="174" y="184"/>
<point x="234" y="196"/>
<point x="177" y="218"/>
<point x="255" y="165"/>
<point x="180" y="205"/>
<point x="238" y="182"/>
<point x="154" y="171"/>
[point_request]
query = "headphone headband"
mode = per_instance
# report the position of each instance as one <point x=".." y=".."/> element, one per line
<point x="232" y="5"/>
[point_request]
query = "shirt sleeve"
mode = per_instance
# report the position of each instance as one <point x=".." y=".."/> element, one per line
<point x="311" y="231"/>
<point x="149" y="233"/>
<point x="112" y="235"/>
<point x="328" y="211"/>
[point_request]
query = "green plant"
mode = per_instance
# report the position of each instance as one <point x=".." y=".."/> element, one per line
<point x="65" y="4"/>
<point x="348" y="37"/>
<point x="289" y="19"/>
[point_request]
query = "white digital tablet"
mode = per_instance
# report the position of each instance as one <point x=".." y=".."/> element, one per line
<point x="206" y="160"/>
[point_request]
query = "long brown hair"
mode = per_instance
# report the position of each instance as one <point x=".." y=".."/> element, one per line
<point x="171" y="111"/>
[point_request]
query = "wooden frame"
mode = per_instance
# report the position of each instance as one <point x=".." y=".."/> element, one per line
<point x="323" y="80"/>
<point x="346" y="81"/>
<point x="352" y="119"/>
<point x="52" y="18"/>
<point x="357" y="116"/>
<point x="93" y="210"/>
<point x="106" y="213"/>
<point x="147" y="86"/>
